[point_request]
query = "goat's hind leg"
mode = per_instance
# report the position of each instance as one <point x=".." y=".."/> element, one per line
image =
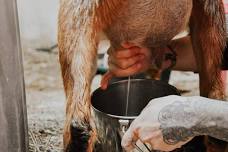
<point x="77" y="52"/>
<point x="208" y="39"/>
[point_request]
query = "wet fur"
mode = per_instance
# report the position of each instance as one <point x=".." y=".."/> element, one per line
<point x="81" y="21"/>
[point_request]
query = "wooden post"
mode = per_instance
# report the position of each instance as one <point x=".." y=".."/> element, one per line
<point x="13" y="117"/>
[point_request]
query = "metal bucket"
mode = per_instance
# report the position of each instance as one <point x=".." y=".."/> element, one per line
<point x="109" y="108"/>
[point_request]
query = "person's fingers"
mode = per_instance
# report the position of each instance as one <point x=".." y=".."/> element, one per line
<point x="135" y="69"/>
<point x="158" y="144"/>
<point x="127" y="45"/>
<point x="105" y="80"/>
<point x="126" y="53"/>
<point x="129" y="139"/>
<point x="125" y="63"/>
<point x="146" y="129"/>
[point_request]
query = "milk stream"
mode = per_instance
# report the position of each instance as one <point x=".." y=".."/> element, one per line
<point x="126" y="114"/>
<point x="128" y="93"/>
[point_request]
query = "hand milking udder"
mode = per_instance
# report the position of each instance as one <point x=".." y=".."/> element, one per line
<point x="80" y="21"/>
<point x="132" y="59"/>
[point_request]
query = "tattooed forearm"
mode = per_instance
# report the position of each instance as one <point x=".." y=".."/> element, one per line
<point x="196" y="116"/>
<point x="175" y="122"/>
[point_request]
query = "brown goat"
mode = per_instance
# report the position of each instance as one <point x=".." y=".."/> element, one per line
<point x="147" y="23"/>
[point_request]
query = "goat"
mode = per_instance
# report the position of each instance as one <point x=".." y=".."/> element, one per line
<point x="147" y="23"/>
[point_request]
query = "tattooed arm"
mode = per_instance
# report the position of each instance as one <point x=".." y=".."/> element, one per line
<point x="168" y="123"/>
<point x="198" y="116"/>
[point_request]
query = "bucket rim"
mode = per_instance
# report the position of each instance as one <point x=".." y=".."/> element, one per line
<point x="124" y="81"/>
<point x="136" y="80"/>
<point x="115" y="116"/>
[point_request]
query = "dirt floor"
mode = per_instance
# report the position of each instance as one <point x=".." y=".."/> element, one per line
<point x="45" y="100"/>
<point x="45" y="97"/>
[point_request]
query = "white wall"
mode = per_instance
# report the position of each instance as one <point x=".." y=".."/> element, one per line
<point x="38" y="22"/>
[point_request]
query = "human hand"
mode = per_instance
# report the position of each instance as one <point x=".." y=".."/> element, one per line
<point x="165" y="124"/>
<point x="129" y="60"/>
<point x="133" y="59"/>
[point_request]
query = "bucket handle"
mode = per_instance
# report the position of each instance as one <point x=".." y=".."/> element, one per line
<point x="124" y="125"/>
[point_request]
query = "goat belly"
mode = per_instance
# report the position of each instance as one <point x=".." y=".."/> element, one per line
<point x="150" y="23"/>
